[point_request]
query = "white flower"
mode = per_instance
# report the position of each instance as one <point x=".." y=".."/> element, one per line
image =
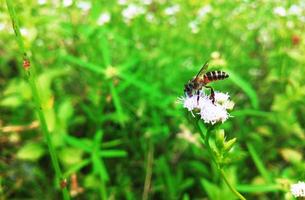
<point x="42" y="2"/>
<point x="132" y="11"/>
<point x="150" y="17"/>
<point x="193" y="25"/>
<point x="279" y="11"/>
<point x="103" y="18"/>
<point x="2" y="26"/>
<point x="224" y="100"/>
<point x="24" y="31"/>
<point x="295" y="10"/>
<point x="122" y="2"/>
<point x="146" y="2"/>
<point x="298" y="189"/>
<point x="85" y="6"/>
<point x="172" y="10"/>
<point x="204" y="11"/>
<point x="67" y="3"/>
<point x="190" y="103"/>
<point x="210" y="112"/>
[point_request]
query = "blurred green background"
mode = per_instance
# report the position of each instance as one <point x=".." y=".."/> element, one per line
<point x="109" y="75"/>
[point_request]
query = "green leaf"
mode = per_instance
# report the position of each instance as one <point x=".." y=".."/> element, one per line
<point x="112" y="153"/>
<point x="31" y="151"/>
<point x="65" y="111"/>
<point x="99" y="167"/>
<point x="71" y="156"/>
<point x="79" y="143"/>
<point x="117" y="104"/>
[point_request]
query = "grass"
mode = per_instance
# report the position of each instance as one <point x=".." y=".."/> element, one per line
<point x="105" y="99"/>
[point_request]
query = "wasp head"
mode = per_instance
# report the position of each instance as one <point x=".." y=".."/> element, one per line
<point x="188" y="88"/>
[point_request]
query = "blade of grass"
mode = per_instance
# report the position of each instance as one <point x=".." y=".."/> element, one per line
<point x="168" y="178"/>
<point x="245" y="86"/>
<point x="259" y="163"/>
<point x="112" y="153"/>
<point x="77" y="167"/>
<point x="251" y="112"/>
<point x="79" y="143"/>
<point x="87" y="65"/>
<point x="259" y="188"/>
<point x="103" y="45"/>
<point x="117" y="104"/>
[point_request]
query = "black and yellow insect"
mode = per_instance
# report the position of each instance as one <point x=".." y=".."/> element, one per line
<point x="201" y="80"/>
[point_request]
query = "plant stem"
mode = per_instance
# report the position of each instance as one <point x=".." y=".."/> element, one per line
<point x="149" y="166"/>
<point x="103" y="190"/>
<point x="224" y="177"/>
<point x="29" y="72"/>
<point x="206" y="139"/>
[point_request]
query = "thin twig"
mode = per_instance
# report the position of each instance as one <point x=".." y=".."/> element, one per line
<point x="149" y="165"/>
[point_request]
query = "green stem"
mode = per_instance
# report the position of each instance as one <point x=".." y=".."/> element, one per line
<point x="206" y="139"/>
<point x="224" y="177"/>
<point x="29" y="72"/>
<point x="103" y="190"/>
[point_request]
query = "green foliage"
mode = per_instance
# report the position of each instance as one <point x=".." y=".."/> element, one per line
<point x="108" y="91"/>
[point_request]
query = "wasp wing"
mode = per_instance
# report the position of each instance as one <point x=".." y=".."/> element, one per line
<point x="203" y="69"/>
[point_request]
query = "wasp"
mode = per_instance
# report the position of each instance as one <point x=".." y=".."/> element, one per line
<point x="201" y="80"/>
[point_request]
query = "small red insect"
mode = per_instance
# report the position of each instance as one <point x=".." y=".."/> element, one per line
<point x="26" y="63"/>
<point x="295" y="39"/>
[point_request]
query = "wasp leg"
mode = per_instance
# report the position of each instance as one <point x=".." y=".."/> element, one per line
<point x="198" y="93"/>
<point x="212" y="96"/>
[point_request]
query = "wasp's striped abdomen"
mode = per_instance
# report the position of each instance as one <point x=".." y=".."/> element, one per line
<point x="214" y="76"/>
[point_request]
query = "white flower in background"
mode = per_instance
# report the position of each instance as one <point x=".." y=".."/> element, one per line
<point x="295" y="10"/>
<point x="193" y="25"/>
<point x="150" y="17"/>
<point x="131" y="12"/>
<point x="42" y="2"/>
<point x="122" y="2"/>
<point x="172" y="20"/>
<point x="202" y="12"/>
<point x="146" y="2"/>
<point x="172" y="10"/>
<point x="84" y="5"/>
<point x="298" y="189"/>
<point x="24" y="32"/>
<point x="279" y="11"/>
<point x="67" y="3"/>
<point x="209" y="112"/>
<point x="215" y="55"/>
<point x="104" y="18"/>
<point x="2" y="26"/>
<point x="188" y="136"/>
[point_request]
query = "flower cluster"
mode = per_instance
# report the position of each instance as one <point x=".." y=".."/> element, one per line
<point x="209" y="112"/>
<point x="132" y="11"/>
<point x="202" y="12"/>
<point x="298" y="189"/>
